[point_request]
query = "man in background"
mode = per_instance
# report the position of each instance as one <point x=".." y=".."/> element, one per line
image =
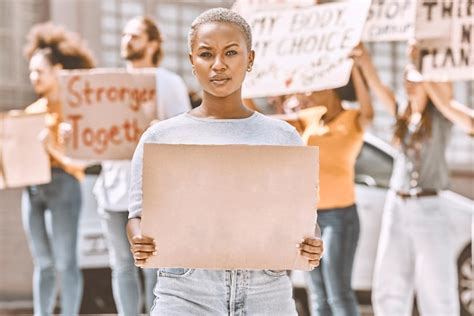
<point x="141" y="47"/>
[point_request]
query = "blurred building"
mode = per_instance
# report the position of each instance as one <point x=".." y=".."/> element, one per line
<point x="100" y="22"/>
<point x="16" y="18"/>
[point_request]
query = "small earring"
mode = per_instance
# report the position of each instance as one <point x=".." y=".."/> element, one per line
<point x="249" y="69"/>
<point x="194" y="71"/>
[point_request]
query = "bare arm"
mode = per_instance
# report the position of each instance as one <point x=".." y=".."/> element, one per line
<point x="58" y="154"/>
<point x="362" y="92"/>
<point x="383" y="93"/>
<point x="441" y="95"/>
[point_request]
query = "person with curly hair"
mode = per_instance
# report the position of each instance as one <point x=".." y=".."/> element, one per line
<point x="49" y="49"/>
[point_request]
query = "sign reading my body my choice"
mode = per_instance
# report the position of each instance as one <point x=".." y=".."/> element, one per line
<point x="108" y="110"/>
<point x="445" y="32"/>
<point x="305" y="49"/>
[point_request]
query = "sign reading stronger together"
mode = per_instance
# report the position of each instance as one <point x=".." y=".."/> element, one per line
<point x="108" y="110"/>
<point x="305" y="49"/>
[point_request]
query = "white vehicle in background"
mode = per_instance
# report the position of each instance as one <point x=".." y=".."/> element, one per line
<point x="373" y="172"/>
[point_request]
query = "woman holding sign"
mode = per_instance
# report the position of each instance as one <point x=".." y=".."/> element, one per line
<point x="324" y="120"/>
<point x="221" y="53"/>
<point x="50" y="49"/>
<point x="415" y="252"/>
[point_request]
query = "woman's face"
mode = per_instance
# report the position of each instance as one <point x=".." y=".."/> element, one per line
<point x="220" y="58"/>
<point x="42" y="74"/>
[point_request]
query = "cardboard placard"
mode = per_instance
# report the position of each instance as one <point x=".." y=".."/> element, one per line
<point x="108" y="110"/>
<point x="305" y="49"/>
<point x="445" y="33"/>
<point x="390" y="20"/>
<point x="23" y="159"/>
<point x="244" y="6"/>
<point x="229" y="206"/>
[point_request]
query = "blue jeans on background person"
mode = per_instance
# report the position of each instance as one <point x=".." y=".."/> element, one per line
<point x="330" y="283"/>
<point x="54" y="252"/>
<point x="223" y="292"/>
<point x="125" y="275"/>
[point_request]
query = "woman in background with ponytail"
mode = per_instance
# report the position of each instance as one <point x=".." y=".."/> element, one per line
<point x="415" y="251"/>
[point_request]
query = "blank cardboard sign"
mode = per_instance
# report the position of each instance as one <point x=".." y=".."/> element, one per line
<point x="23" y="159"/>
<point x="229" y="206"/>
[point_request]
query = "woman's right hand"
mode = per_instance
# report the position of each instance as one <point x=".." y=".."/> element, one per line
<point x="142" y="248"/>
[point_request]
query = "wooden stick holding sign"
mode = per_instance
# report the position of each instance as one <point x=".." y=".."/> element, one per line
<point x="304" y="49"/>
<point x="23" y="159"/>
<point x="108" y="110"/>
<point x="229" y="206"/>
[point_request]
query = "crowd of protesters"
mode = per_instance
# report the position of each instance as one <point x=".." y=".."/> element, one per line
<point x="220" y="47"/>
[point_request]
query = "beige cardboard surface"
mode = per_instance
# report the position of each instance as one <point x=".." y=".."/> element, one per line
<point x="229" y="206"/>
<point x="108" y="110"/>
<point x="23" y="159"/>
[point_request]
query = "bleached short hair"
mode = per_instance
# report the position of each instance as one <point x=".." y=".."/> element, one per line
<point x="220" y="15"/>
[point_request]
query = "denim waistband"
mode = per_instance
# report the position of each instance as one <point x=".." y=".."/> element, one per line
<point x="344" y="208"/>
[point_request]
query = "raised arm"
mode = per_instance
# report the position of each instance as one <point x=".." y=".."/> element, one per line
<point x="362" y="92"/>
<point x="383" y="93"/>
<point x="441" y="95"/>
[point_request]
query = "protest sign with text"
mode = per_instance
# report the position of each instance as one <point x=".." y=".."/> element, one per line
<point x="23" y="158"/>
<point x="303" y="50"/>
<point x="108" y="110"/>
<point x="250" y="205"/>
<point x="243" y="7"/>
<point x="445" y="34"/>
<point x="390" y="20"/>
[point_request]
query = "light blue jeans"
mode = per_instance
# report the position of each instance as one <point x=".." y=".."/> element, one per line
<point x="330" y="283"/>
<point x="223" y="292"/>
<point x="54" y="253"/>
<point x="125" y="278"/>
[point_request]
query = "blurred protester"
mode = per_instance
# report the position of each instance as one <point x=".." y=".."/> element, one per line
<point x="50" y="48"/>
<point x="323" y="121"/>
<point x="221" y="53"/>
<point x="141" y="46"/>
<point x="416" y="252"/>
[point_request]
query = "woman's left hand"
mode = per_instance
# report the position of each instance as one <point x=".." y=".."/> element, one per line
<point x="311" y="249"/>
